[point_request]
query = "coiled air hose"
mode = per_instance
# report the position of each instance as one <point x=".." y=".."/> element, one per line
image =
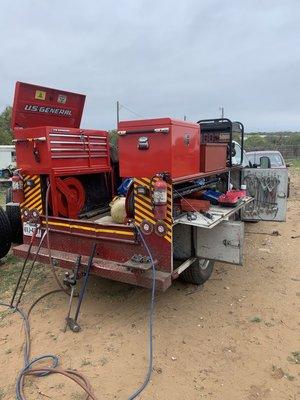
<point x="75" y="376"/>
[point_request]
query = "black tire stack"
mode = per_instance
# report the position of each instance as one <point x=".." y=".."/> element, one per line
<point x="5" y="234"/>
<point x="11" y="230"/>
<point x="13" y="213"/>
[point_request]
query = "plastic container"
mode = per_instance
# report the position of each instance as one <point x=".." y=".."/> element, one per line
<point x="231" y="198"/>
<point x="244" y="189"/>
<point x="212" y="196"/>
<point x="194" y="205"/>
<point x="123" y="188"/>
<point x="117" y="209"/>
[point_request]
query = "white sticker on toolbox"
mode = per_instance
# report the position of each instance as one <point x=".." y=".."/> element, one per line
<point x="62" y="99"/>
<point x="28" y="230"/>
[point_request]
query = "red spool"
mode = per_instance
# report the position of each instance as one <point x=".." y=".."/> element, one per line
<point x="70" y="206"/>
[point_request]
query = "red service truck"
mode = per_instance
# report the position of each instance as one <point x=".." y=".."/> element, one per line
<point x="66" y="181"/>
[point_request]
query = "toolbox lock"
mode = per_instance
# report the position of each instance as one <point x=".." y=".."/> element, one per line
<point x="143" y="143"/>
<point x="186" y="139"/>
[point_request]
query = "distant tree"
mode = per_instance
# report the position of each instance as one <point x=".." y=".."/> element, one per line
<point x="5" y="123"/>
<point x="294" y="139"/>
<point x="276" y="140"/>
<point x="113" y="138"/>
<point x="255" y="142"/>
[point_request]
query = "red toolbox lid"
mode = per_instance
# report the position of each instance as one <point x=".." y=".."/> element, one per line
<point x="41" y="106"/>
<point x="137" y="123"/>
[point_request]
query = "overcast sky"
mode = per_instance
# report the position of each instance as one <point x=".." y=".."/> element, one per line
<point x="159" y="58"/>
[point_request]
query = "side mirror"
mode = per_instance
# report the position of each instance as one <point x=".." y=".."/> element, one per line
<point x="265" y="162"/>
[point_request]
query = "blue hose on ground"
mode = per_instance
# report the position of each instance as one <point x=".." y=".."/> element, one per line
<point x="151" y="315"/>
<point x="27" y="362"/>
<point x="78" y="378"/>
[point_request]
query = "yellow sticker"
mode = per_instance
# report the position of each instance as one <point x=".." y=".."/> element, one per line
<point x="40" y="95"/>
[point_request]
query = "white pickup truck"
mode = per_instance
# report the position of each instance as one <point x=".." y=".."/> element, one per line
<point x="7" y="160"/>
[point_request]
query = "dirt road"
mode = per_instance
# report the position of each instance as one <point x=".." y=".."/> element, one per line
<point x="237" y="338"/>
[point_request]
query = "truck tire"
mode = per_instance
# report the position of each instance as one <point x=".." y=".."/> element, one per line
<point x="8" y="196"/>
<point x="5" y="234"/>
<point x="13" y="213"/>
<point x="199" y="272"/>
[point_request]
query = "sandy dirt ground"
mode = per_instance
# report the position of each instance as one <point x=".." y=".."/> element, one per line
<point x="235" y="338"/>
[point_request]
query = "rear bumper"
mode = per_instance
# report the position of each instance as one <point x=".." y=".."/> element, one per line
<point x="101" y="267"/>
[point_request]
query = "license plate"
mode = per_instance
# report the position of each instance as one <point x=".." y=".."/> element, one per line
<point x="28" y="230"/>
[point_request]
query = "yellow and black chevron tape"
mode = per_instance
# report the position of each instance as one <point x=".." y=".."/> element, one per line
<point x="143" y="207"/>
<point x="33" y="194"/>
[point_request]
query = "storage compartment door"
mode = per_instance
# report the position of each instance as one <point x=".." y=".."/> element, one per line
<point x="224" y="242"/>
<point x="269" y="188"/>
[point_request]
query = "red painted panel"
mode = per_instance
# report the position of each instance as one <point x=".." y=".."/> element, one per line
<point x="40" y="106"/>
<point x="112" y="245"/>
<point x="213" y="156"/>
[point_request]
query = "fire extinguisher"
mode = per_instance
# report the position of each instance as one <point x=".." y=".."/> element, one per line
<point x="17" y="188"/>
<point x="160" y="198"/>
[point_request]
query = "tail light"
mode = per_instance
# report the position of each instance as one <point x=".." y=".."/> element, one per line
<point x="160" y="198"/>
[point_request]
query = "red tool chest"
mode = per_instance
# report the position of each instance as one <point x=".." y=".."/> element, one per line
<point x="44" y="149"/>
<point x="47" y="135"/>
<point x="149" y="146"/>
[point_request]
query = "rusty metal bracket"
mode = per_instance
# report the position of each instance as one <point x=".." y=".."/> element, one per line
<point x="138" y="263"/>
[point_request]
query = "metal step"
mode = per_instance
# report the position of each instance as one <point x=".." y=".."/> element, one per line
<point x="103" y="268"/>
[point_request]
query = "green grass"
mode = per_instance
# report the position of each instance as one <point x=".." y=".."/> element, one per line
<point x="294" y="357"/>
<point x="256" y="319"/>
<point x="85" y="362"/>
<point x="9" y="274"/>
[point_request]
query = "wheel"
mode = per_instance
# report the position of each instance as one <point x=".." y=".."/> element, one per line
<point x="13" y="212"/>
<point x="199" y="272"/>
<point x="5" y="233"/>
<point x="8" y="196"/>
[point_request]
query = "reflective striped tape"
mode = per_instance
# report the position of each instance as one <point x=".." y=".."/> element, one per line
<point x="33" y="194"/>
<point x="143" y="209"/>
